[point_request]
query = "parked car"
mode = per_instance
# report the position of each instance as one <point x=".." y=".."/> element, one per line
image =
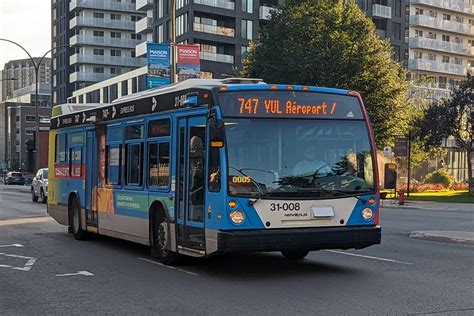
<point x="39" y="186"/>
<point x="28" y="177"/>
<point x="14" y="178"/>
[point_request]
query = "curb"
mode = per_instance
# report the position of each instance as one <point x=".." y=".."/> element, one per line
<point x="445" y="236"/>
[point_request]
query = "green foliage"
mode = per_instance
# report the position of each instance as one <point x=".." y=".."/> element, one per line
<point x="440" y="176"/>
<point x="333" y="43"/>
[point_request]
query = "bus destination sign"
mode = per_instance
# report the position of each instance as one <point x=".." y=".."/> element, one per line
<point x="287" y="104"/>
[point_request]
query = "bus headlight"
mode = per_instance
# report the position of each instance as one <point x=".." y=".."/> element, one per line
<point x="367" y="213"/>
<point x="237" y="217"/>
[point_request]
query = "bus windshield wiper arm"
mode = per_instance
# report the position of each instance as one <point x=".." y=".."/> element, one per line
<point x="252" y="180"/>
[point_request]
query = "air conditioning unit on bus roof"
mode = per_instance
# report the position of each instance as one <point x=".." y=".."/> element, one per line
<point x="241" y="80"/>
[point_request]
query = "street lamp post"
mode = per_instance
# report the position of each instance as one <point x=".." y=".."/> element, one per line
<point x="37" y="121"/>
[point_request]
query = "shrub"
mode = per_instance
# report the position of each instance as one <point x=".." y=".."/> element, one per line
<point x="460" y="186"/>
<point x="440" y="176"/>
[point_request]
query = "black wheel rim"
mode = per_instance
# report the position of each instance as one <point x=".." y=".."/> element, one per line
<point x="162" y="234"/>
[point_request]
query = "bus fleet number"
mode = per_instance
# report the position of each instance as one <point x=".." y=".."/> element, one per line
<point x="275" y="207"/>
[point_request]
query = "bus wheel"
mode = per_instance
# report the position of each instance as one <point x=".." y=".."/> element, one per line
<point x="294" y="254"/>
<point x="75" y="220"/>
<point x="161" y="235"/>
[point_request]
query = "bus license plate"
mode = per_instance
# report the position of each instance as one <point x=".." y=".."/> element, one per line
<point x="322" y="212"/>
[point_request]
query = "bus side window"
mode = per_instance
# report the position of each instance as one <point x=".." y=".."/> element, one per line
<point x="214" y="169"/>
<point x="158" y="165"/>
<point x="60" y="148"/>
<point x="134" y="164"/>
<point x="114" y="163"/>
<point x="75" y="162"/>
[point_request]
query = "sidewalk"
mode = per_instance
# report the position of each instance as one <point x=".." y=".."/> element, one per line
<point x="431" y="206"/>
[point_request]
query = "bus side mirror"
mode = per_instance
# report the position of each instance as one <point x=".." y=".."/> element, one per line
<point x="390" y="176"/>
<point x="216" y="132"/>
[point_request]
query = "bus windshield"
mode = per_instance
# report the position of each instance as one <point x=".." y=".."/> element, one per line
<point x="298" y="158"/>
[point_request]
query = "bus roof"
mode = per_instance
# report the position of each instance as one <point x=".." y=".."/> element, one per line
<point x="164" y="98"/>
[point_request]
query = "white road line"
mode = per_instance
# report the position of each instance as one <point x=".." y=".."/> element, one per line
<point x="165" y="266"/>
<point x="368" y="257"/>
<point x="12" y="245"/>
<point x="27" y="267"/>
<point x="84" y="273"/>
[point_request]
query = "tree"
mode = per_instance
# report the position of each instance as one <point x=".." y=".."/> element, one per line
<point x="453" y="117"/>
<point x="333" y="43"/>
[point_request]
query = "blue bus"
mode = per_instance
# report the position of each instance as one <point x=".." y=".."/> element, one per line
<point x="205" y="167"/>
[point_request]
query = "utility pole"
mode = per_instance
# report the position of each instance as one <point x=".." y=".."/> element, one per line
<point x="173" y="41"/>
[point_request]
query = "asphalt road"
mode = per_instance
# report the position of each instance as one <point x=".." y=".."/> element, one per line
<point x="401" y="276"/>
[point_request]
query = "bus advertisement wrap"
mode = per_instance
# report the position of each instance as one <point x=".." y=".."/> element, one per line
<point x="159" y="65"/>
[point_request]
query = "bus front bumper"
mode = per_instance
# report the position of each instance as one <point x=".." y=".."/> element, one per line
<point x="300" y="238"/>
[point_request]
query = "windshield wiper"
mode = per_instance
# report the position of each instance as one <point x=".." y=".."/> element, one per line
<point x="252" y="180"/>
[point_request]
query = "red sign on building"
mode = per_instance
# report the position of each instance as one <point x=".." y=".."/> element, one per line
<point x="188" y="62"/>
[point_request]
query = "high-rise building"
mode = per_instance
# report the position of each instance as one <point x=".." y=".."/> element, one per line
<point x="103" y="39"/>
<point x="441" y="44"/>
<point x="17" y="74"/>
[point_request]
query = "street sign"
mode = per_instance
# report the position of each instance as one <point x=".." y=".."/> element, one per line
<point x="401" y="147"/>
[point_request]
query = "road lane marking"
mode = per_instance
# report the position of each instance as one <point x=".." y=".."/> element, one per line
<point x="368" y="257"/>
<point x="84" y="273"/>
<point x="27" y="220"/>
<point x="12" y="245"/>
<point x="27" y="267"/>
<point x="165" y="266"/>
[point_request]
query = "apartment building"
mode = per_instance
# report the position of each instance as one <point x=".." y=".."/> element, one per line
<point x="17" y="74"/>
<point x="101" y="38"/>
<point x="441" y="44"/>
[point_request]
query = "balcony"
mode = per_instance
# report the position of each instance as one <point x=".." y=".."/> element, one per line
<point x="108" y="5"/>
<point x="440" y="24"/>
<point x="381" y="11"/>
<point x="143" y="5"/>
<point x="107" y="60"/>
<point x="228" y="59"/>
<point x="211" y="29"/>
<point x="88" y="76"/>
<point x="448" y="47"/>
<point x="435" y="66"/>
<point x="79" y="21"/>
<point x="103" y="41"/>
<point x="141" y="49"/>
<point x="457" y="6"/>
<point x="265" y="12"/>
<point x="144" y="26"/>
<point x="223" y="4"/>
<point x="420" y="92"/>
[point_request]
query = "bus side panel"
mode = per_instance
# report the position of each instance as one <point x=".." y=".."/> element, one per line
<point x="56" y="209"/>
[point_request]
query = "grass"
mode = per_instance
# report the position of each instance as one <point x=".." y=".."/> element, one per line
<point x="440" y="196"/>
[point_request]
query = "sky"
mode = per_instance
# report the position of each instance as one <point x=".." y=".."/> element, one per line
<point x="27" y="22"/>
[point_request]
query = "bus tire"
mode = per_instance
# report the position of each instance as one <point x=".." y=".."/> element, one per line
<point x="75" y="220"/>
<point x="294" y="254"/>
<point x="161" y="239"/>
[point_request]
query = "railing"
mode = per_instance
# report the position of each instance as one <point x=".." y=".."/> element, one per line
<point x="218" y="30"/>
<point x="107" y="60"/>
<point x="421" y="92"/>
<point x="435" y="66"/>
<point x="88" y="76"/>
<point x="428" y="21"/>
<point x="265" y="12"/>
<point x="428" y="43"/>
<point x="102" y="5"/>
<point x="224" y="4"/>
<point x="229" y="59"/>
<point x="145" y="25"/>
<point x="381" y="11"/>
<point x="102" y="23"/>
<point x="454" y="5"/>
<point x="141" y="49"/>
<point x="142" y="5"/>
<point x="103" y="41"/>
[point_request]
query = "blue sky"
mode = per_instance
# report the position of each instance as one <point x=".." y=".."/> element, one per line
<point x="27" y="22"/>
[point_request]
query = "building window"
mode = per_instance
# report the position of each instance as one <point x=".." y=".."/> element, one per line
<point x="30" y="118"/>
<point x="17" y="118"/>
<point x="115" y="71"/>
<point x="247" y="6"/>
<point x="445" y="59"/>
<point x="457" y="61"/>
<point x="431" y="35"/>
<point x="418" y="33"/>
<point x="115" y="16"/>
<point x="98" y="51"/>
<point x="181" y="24"/>
<point x="431" y="56"/>
<point x="17" y="131"/>
<point x="397" y="31"/>
<point x="160" y="8"/>
<point x="206" y="75"/>
<point x="115" y="34"/>
<point x="98" y="15"/>
<point x="446" y="38"/>
<point x="447" y="16"/>
<point x="418" y="55"/>
<point x="181" y="3"/>
<point x="30" y="131"/>
<point x="418" y="11"/>
<point x="115" y="52"/>
<point x="247" y="29"/>
<point x="98" y="70"/>
<point x="136" y="36"/>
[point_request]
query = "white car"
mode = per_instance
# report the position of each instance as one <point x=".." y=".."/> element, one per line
<point x="39" y="186"/>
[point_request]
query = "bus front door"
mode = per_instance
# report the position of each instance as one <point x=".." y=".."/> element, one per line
<point x="90" y="180"/>
<point x="191" y="162"/>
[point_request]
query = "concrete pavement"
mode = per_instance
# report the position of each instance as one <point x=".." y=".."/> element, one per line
<point x="432" y="206"/>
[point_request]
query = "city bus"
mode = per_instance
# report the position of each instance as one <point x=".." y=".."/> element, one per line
<point x="206" y="167"/>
